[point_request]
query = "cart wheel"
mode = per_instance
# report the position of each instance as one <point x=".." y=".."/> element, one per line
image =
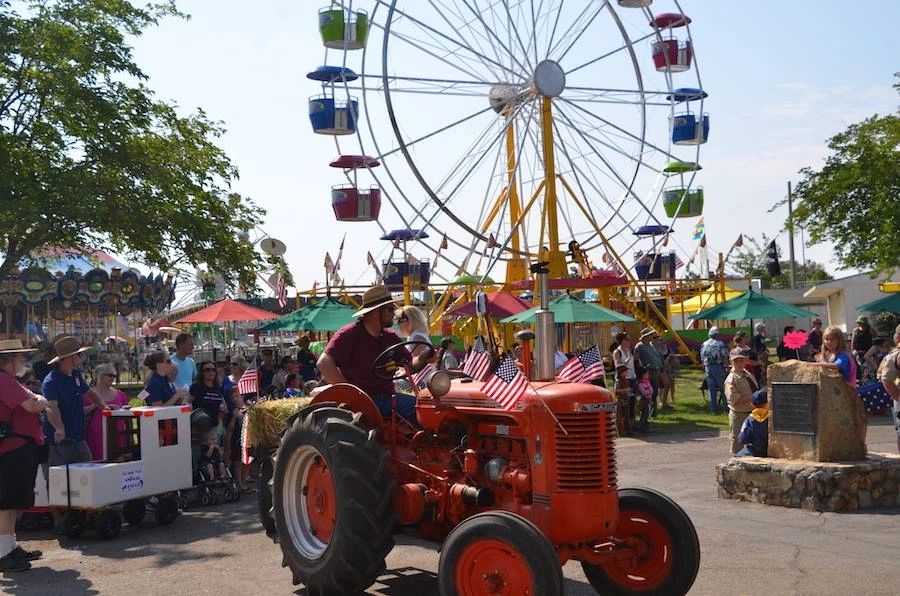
<point x="231" y="495"/>
<point x="166" y="510"/>
<point x="134" y="511"/>
<point x="214" y="498"/>
<point x="184" y="501"/>
<point x="30" y="522"/>
<point x="108" y="524"/>
<point x="206" y="498"/>
<point x="73" y="523"/>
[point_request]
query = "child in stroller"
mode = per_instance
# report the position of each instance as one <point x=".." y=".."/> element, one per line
<point x="210" y="463"/>
<point x="213" y="474"/>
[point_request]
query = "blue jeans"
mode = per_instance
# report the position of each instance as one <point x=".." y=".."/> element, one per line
<point x="406" y="406"/>
<point x="715" y="383"/>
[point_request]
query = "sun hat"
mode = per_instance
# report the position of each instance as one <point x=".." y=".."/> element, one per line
<point x="14" y="346"/>
<point x="66" y="346"/>
<point x="375" y="297"/>
<point x="647" y="332"/>
<point x="737" y="353"/>
<point x="713" y="331"/>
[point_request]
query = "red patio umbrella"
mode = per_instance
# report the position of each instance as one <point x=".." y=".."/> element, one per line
<point x="500" y="304"/>
<point x="226" y="311"/>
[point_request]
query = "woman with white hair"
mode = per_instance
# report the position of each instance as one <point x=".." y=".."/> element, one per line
<point x="413" y="324"/>
<point x="104" y="377"/>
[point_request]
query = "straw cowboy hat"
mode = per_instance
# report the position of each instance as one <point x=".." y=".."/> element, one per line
<point x="647" y="332"/>
<point x="14" y="346"/>
<point x="375" y="297"/>
<point x="67" y="346"/>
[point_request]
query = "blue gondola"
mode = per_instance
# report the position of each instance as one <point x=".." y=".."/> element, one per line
<point x="687" y="94"/>
<point x="652" y="231"/>
<point x="405" y="235"/>
<point x="332" y="74"/>
<point x="687" y="130"/>
<point x="329" y="116"/>
<point x="419" y="273"/>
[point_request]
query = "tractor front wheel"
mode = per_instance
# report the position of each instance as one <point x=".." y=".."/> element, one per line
<point x="498" y="553"/>
<point x="332" y="502"/>
<point x="669" y="551"/>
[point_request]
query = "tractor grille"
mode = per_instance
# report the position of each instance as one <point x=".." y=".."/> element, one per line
<point x="586" y="458"/>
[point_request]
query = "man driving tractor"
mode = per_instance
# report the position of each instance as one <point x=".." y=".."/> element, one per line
<point x="351" y="352"/>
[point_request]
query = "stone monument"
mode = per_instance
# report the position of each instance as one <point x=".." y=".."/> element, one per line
<point x="817" y="448"/>
<point x="815" y="415"/>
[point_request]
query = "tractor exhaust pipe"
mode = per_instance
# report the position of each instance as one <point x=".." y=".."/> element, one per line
<point x="544" y="328"/>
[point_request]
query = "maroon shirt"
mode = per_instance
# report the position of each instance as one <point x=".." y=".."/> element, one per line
<point x="12" y="396"/>
<point x="354" y="350"/>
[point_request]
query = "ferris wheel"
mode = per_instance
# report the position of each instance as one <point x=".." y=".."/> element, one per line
<point x="510" y="129"/>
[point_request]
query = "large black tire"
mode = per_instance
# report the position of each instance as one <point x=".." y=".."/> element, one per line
<point x="134" y="511"/>
<point x="264" y="494"/>
<point x="672" y="561"/>
<point x="498" y="552"/>
<point x="329" y="450"/>
<point x="108" y="524"/>
<point x="74" y="523"/>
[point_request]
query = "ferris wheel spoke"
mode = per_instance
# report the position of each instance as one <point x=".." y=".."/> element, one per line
<point x="515" y="31"/>
<point x="582" y="32"/>
<point x="643" y="141"/>
<point x="477" y="14"/>
<point x="610" y="53"/>
<point x="434" y="133"/>
<point x="572" y="29"/>
<point x="485" y="59"/>
<point x="468" y="26"/>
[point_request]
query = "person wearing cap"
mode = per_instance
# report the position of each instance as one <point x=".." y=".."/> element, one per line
<point x="862" y="337"/>
<point x="739" y="388"/>
<point x="889" y="375"/>
<point x="759" y="340"/>
<point x="350" y="353"/>
<point x="20" y="438"/>
<point x="814" y="338"/>
<point x="714" y="355"/>
<point x="754" y="435"/>
<point x="649" y="359"/>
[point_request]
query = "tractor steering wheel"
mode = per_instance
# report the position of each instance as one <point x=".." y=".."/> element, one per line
<point x="387" y="368"/>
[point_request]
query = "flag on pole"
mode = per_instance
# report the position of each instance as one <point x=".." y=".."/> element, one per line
<point x="329" y="266"/>
<point x="440" y="249"/>
<point x="249" y="381"/>
<point x="772" y="265"/>
<point x="246" y="458"/>
<point x="421" y="377"/>
<point x="507" y="385"/>
<point x="739" y="242"/>
<point x="699" y="230"/>
<point x="337" y="261"/>
<point x="703" y="241"/>
<point x="282" y="291"/>
<point x="478" y="361"/>
<point x="492" y="242"/>
<point x="584" y="367"/>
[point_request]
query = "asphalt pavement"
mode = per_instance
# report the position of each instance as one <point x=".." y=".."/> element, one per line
<point x="746" y="548"/>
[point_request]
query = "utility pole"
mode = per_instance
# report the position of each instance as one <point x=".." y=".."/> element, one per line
<point x="790" y="228"/>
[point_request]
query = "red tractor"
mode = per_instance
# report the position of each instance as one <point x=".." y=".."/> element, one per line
<point x="509" y="496"/>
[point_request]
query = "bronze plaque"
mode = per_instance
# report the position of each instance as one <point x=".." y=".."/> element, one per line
<point x="794" y="407"/>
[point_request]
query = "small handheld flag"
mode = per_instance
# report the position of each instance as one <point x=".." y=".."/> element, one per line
<point x="584" y="367"/>
<point x="249" y="381"/>
<point x="507" y="385"/>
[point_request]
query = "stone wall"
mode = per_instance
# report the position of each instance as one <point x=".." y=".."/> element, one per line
<point x="818" y="486"/>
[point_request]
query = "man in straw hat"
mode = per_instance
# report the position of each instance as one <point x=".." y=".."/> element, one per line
<point x="649" y="359"/>
<point x="349" y="356"/>
<point x="20" y="436"/>
<point x="65" y="390"/>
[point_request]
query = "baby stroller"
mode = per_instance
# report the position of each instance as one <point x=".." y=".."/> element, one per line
<point x="206" y="490"/>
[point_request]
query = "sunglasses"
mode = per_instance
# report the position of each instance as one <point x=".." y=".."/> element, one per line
<point x="402" y="320"/>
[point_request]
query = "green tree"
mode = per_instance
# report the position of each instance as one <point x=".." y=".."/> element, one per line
<point x="90" y="158"/>
<point x="853" y="202"/>
<point x="750" y="262"/>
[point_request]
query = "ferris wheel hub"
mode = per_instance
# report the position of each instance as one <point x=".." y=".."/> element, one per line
<point x="506" y="96"/>
<point x="549" y="78"/>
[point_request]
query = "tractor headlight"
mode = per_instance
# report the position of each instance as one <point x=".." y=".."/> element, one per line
<point x="439" y="384"/>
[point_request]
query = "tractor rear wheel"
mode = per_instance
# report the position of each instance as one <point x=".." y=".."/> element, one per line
<point x="498" y="553"/>
<point x="671" y="557"/>
<point x="332" y="502"/>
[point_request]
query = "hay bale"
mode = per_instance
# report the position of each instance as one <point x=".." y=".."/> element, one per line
<point x="269" y="418"/>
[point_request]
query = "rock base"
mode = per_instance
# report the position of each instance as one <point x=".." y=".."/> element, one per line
<point x="816" y="486"/>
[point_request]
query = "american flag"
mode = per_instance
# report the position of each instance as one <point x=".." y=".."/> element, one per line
<point x="507" y="385"/>
<point x="249" y="381"/>
<point x="478" y="362"/>
<point x="246" y="457"/>
<point x="584" y="367"/>
<point x="422" y="376"/>
<point x="282" y="291"/>
<point x="875" y="397"/>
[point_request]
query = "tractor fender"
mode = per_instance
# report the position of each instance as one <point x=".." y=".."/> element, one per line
<point x="350" y="397"/>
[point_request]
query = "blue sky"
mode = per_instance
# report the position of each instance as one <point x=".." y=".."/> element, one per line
<point x="782" y="78"/>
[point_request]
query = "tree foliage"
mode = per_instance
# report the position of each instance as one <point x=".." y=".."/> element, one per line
<point x="853" y="202"/>
<point x="750" y="262"/>
<point x="90" y="158"/>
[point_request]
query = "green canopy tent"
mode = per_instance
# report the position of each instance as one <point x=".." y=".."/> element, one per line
<point x="890" y="303"/>
<point x="751" y="305"/>
<point x="328" y="314"/>
<point x="568" y="309"/>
